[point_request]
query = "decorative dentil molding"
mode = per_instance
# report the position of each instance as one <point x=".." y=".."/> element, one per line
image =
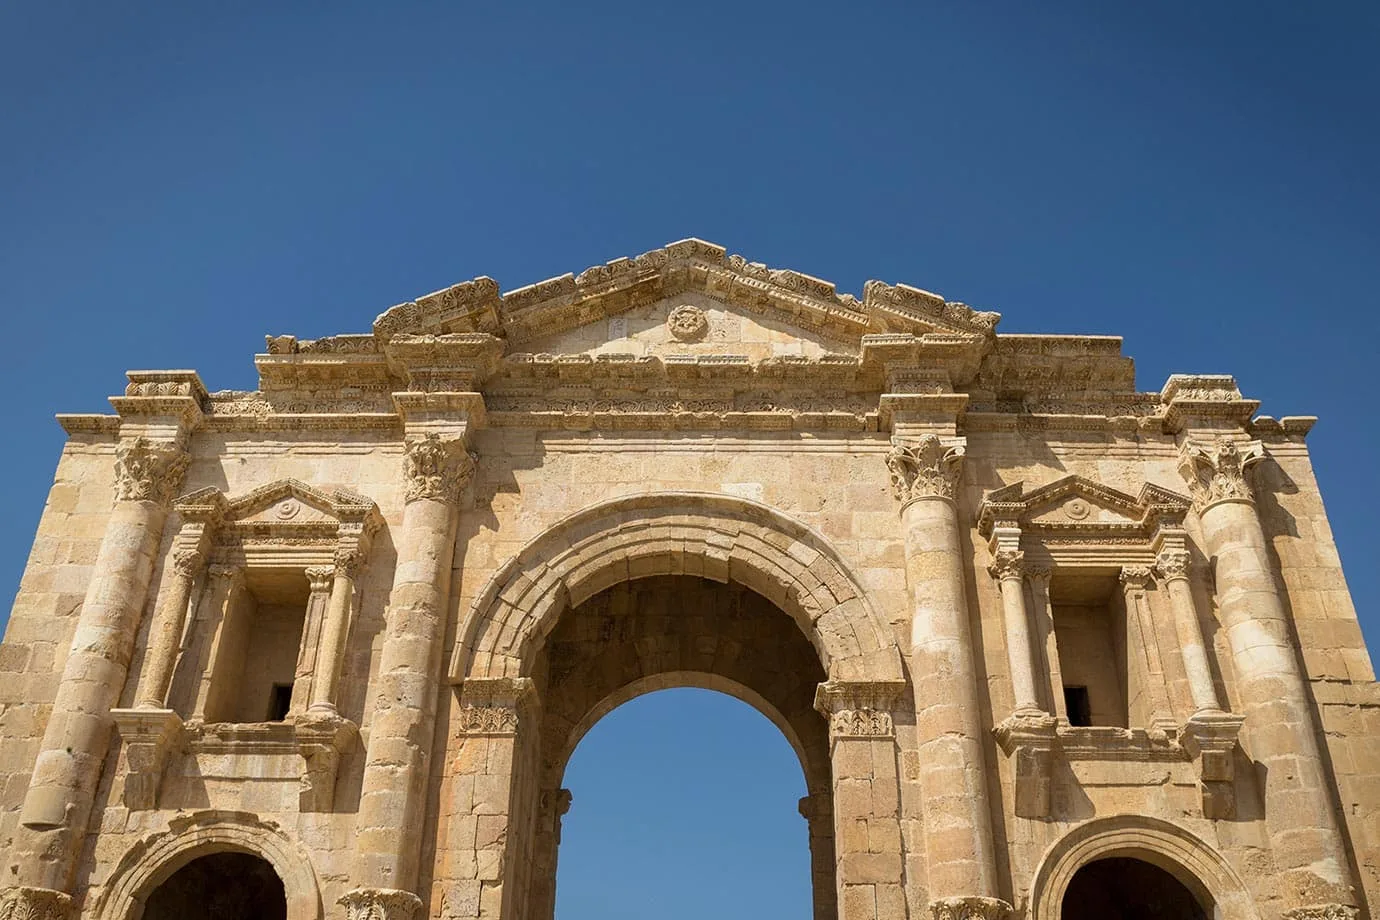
<point x="1007" y="563"/>
<point x="380" y="904"/>
<point x="925" y="468"/>
<point x="436" y="468"/>
<point x="1217" y="471"/>
<point x="970" y="908"/>
<point x="147" y="470"/>
<point x="24" y="903"/>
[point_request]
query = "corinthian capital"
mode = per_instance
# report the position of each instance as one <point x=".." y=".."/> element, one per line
<point x="34" y="904"/>
<point x="926" y="468"/>
<point x="380" y="904"/>
<point x="1007" y="563"/>
<point x="1216" y="471"/>
<point x="436" y="468"/>
<point x="148" y="470"/>
<point x="970" y="908"/>
<point x="1173" y="563"/>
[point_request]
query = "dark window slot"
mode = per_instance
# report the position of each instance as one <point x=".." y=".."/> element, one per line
<point x="1078" y="706"/>
<point x="280" y="702"/>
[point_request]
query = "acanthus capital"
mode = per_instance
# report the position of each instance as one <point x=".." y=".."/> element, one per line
<point x="380" y="904"/>
<point x="148" y="470"/>
<point x="970" y="908"/>
<point x="1217" y="471"/>
<point x="25" y="903"/>
<point x="1007" y="563"/>
<point x="437" y="468"/>
<point x="924" y="468"/>
<point x="1173" y="563"/>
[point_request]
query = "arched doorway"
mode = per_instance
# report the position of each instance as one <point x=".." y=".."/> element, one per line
<point x="1123" y="888"/>
<point x="221" y="886"/>
<point x="677" y="631"/>
<point x="672" y="789"/>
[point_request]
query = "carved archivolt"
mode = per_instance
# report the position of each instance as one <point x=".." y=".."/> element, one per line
<point x="713" y="536"/>
<point x="154" y="858"/>
<point x="1198" y="866"/>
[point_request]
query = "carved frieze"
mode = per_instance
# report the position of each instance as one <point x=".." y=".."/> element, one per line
<point x="925" y="468"/>
<point x="859" y="709"/>
<point x="436" y="468"/>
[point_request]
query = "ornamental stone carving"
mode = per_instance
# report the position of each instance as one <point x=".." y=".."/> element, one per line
<point x="1173" y="563"/>
<point x="927" y="468"/>
<point x="1007" y="563"/>
<point x="487" y="720"/>
<point x="320" y="577"/>
<point x="970" y="908"/>
<point x="380" y="904"/>
<point x="1216" y="472"/>
<point x="187" y="562"/>
<point x="436" y="468"/>
<point x="687" y="323"/>
<point x="348" y="561"/>
<point x="34" y="904"/>
<point x="1136" y="577"/>
<point x="1323" y="912"/>
<point x="148" y="470"/>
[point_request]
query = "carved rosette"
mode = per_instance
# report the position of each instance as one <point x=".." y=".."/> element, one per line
<point x="1007" y="563"/>
<point x="1217" y="472"/>
<point x="149" y="471"/>
<point x="1323" y="912"/>
<point x="927" y="468"/>
<point x="1173" y="563"/>
<point x="970" y="908"/>
<point x="687" y="323"/>
<point x="380" y="904"/>
<point x="436" y="468"/>
<point x="35" y="904"/>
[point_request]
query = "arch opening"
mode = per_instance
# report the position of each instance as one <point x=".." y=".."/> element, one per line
<point x="230" y="885"/>
<point x="1126" y="888"/>
<point x="609" y="655"/>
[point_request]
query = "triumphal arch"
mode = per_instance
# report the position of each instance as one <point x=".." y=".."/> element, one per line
<point x="1045" y="645"/>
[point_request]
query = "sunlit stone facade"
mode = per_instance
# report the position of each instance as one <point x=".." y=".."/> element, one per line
<point x="1025" y="626"/>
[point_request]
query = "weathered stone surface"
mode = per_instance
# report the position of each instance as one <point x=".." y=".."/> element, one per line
<point x="1013" y="615"/>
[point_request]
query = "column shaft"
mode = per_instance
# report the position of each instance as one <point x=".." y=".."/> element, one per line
<point x="165" y="633"/>
<point x="953" y="779"/>
<point x="1008" y="568"/>
<point x="333" y="631"/>
<point x="1173" y="568"/>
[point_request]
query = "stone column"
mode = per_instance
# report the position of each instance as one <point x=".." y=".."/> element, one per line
<point x="66" y="774"/>
<point x="321" y="578"/>
<point x="1279" y="734"/>
<point x="960" y="861"/>
<point x="1008" y="568"/>
<point x="1047" y="639"/>
<point x="1173" y="568"/>
<point x="437" y="469"/>
<point x="335" y="627"/>
<point x="817" y="809"/>
<point x="1142" y="641"/>
<point x="867" y="797"/>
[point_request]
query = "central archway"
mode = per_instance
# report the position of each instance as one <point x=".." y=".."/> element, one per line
<point x="222" y="886"/>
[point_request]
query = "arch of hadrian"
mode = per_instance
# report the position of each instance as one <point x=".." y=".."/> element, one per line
<point x="1014" y="616"/>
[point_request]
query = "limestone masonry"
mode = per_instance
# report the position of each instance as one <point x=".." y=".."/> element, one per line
<point x="323" y="650"/>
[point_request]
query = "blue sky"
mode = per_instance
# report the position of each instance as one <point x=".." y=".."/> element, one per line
<point x="180" y="179"/>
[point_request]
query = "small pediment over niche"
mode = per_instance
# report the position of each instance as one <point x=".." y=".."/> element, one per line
<point x="1075" y="505"/>
<point x="289" y="502"/>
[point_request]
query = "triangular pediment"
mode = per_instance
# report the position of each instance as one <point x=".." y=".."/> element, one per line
<point x="656" y="280"/>
<point x="1080" y="504"/>
<point x="286" y="502"/>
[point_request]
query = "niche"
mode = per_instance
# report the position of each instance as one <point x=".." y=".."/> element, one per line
<point x="1089" y="616"/>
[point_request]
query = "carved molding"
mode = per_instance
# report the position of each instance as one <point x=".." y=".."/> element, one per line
<point x="25" y="903"/>
<point x="1218" y="471"/>
<point x="1211" y="737"/>
<point x="493" y="706"/>
<point x="926" y="468"/>
<point x="970" y="908"/>
<point x="380" y="904"/>
<point x="436" y="468"/>
<point x="859" y="709"/>
<point x="147" y="470"/>
<point x="1031" y="739"/>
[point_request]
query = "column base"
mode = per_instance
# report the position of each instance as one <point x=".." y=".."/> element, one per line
<point x="378" y="904"/>
<point x="970" y="908"/>
<point x="34" y="904"/>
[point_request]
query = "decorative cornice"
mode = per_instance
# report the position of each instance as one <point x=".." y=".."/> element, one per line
<point x="436" y="468"/>
<point x="147" y="470"/>
<point x="1217" y="471"/>
<point x="1137" y="516"/>
<point x="925" y="468"/>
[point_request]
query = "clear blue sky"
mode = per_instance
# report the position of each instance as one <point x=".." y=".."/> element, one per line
<point x="180" y="179"/>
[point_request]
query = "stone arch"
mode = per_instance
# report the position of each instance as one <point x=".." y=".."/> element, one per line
<point x="1195" y="864"/>
<point x="154" y="858"/>
<point x="719" y="537"/>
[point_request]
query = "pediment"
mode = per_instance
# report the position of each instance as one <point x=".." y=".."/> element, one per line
<point x="285" y="502"/>
<point x="1080" y="505"/>
<point x="642" y="286"/>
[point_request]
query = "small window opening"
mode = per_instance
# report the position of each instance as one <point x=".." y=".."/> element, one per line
<point x="1078" y="706"/>
<point x="280" y="702"/>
